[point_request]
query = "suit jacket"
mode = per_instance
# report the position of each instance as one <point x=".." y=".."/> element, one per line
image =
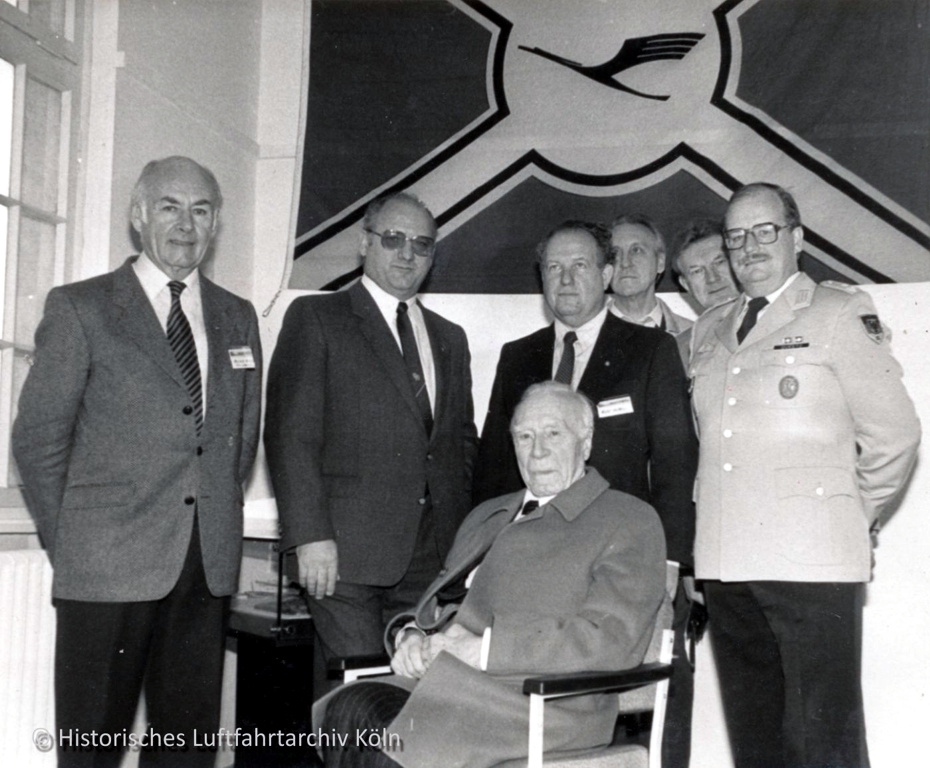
<point x="574" y="585"/>
<point x="112" y="467"/>
<point x="807" y="433"/>
<point x="349" y="456"/>
<point x="649" y="452"/>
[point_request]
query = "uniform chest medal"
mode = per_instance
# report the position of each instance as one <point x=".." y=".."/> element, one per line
<point x="788" y="387"/>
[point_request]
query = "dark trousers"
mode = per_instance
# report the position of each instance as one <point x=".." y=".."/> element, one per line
<point x="789" y="660"/>
<point x="352" y="621"/>
<point x="105" y="651"/>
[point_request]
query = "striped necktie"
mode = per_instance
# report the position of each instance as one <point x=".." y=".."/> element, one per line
<point x="181" y="340"/>
<point x="408" y="343"/>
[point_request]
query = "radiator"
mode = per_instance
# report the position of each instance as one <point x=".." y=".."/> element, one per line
<point x="27" y="655"/>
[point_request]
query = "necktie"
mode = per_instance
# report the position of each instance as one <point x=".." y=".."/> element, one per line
<point x="181" y="340"/>
<point x="528" y="507"/>
<point x="752" y="314"/>
<point x="408" y="344"/>
<point x="566" y="367"/>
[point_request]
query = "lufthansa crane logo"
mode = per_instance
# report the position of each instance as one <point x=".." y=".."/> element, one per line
<point x="633" y="52"/>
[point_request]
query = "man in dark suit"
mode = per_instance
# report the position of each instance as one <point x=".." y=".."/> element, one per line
<point x="137" y="426"/>
<point x="370" y="434"/>
<point x="563" y="575"/>
<point x="644" y="441"/>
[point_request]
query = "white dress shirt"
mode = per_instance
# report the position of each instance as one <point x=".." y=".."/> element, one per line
<point x="155" y="284"/>
<point x="387" y="305"/>
<point x="769" y="296"/>
<point x="587" y="338"/>
<point x="652" y="320"/>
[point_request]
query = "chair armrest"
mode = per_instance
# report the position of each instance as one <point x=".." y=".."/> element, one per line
<point x="373" y="664"/>
<point x="577" y="683"/>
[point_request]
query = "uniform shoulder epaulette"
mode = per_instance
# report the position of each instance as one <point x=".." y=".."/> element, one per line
<point x="836" y="285"/>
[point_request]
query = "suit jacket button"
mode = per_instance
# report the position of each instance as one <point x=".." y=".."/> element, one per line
<point x="200" y="450"/>
<point x="421" y="501"/>
<point x="429" y="457"/>
<point x="189" y="500"/>
<point x="188" y="410"/>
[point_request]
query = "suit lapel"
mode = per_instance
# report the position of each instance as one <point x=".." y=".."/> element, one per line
<point x="537" y="364"/>
<point x="383" y="345"/>
<point x="728" y="325"/>
<point x="223" y="331"/>
<point x="607" y="357"/>
<point x="442" y="364"/>
<point x="134" y="316"/>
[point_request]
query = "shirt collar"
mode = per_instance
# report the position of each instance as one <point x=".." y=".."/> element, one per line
<point x="385" y="301"/>
<point x="771" y="297"/>
<point x="154" y="281"/>
<point x="587" y="333"/>
<point x="655" y="315"/>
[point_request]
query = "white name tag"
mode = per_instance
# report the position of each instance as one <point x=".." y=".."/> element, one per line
<point x="241" y="357"/>
<point x="616" y="406"/>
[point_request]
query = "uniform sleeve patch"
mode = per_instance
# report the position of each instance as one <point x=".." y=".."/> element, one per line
<point x="873" y="327"/>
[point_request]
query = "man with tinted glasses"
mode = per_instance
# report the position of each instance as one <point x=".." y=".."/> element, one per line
<point x="807" y="435"/>
<point x="370" y="435"/>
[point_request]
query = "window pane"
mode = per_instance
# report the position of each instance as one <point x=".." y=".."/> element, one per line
<point x="41" y="146"/>
<point x="35" y="276"/>
<point x="7" y="77"/>
<point x="51" y="13"/>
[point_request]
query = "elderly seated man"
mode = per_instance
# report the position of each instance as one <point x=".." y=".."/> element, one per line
<point x="564" y="576"/>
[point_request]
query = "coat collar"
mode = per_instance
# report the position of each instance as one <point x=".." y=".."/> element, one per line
<point x="782" y="311"/>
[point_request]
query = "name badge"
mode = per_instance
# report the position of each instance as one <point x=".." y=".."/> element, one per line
<point x="241" y="358"/>
<point x="616" y="406"/>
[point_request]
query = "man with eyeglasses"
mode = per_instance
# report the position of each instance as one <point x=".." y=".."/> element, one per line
<point x="644" y="440"/>
<point x="370" y="435"/>
<point x="703" y="270"/>
<point x="807" y="435"/>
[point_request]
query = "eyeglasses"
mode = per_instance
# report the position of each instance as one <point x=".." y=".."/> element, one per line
<point x="393" y="240"/>
<point x="763" y="234"/>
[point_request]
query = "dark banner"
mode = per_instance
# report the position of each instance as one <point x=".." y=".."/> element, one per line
<point x="508" y="116"/>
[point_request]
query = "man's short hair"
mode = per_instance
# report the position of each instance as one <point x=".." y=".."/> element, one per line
<point x="792" y="213"/>
<point x="644" y="221"/>
<point x="375" y="206"/>
<point x="600" y="233"/>
<point x="141" y="189"/>
<point x="697" y="229"/>
<point x="581" y="406"/>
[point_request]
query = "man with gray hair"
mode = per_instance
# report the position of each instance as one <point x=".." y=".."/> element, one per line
<point x="138" y="424"/>
<point x="561" y="576"/>
<point x="639" y="264"/>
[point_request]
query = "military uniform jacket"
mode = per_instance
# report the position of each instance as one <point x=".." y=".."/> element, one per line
<point x="806" y="434"/>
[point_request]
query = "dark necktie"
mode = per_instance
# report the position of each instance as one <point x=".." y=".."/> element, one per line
<point x="752" y="314"/>
<point x="566" y="367"/>
<point x="181" y="340"/>
<point x="408" y="344"/>
<point x="454" y="592"/>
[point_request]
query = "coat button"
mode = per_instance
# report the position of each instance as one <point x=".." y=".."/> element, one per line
<point x="188" y="410"/>
<point x="789" y="359"/>
<point x="728" y="467"/>
<point x="429" y="457"/>
<point x="189" y="500"/>
<point x="819" y="491"/>
<point x="422" y="501"/>
<point x="728" y="433"/>
<point x="200" y="450"/>
<point x="731" y="401"/>
<point x="737" y="370"/>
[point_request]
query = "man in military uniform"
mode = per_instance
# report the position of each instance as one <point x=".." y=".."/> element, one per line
<point x="807" y="434"/>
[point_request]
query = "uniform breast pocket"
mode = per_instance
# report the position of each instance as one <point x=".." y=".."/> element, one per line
<point x="794" y="378"/>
